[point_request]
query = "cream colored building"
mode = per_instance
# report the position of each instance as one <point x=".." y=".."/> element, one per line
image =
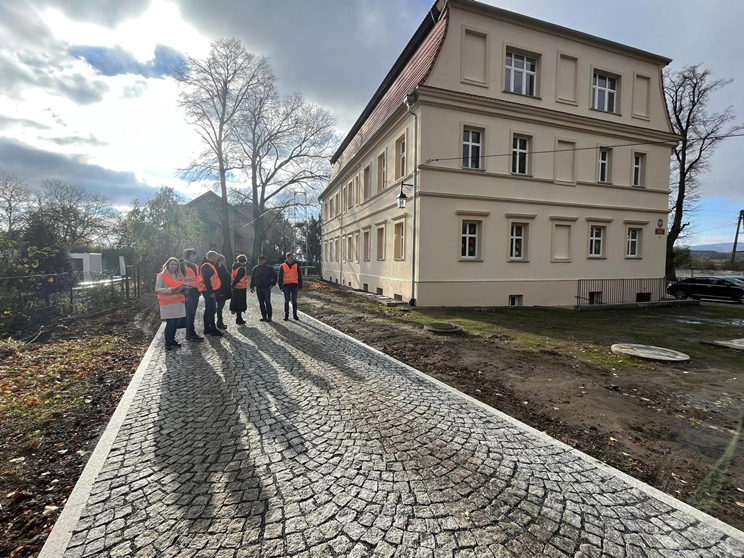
<point x="543" y="159"/>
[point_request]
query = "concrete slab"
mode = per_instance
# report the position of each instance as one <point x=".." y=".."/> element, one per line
<point x="649" y="352"/>
<point x="731" y="344"/>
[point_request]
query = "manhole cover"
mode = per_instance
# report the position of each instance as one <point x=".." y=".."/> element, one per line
<point x="648" y="352"/>
<point x="443" y="327"/>
<point x="731" y="344"/>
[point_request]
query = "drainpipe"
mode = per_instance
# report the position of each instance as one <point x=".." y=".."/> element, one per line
<point x="411" y="99"/>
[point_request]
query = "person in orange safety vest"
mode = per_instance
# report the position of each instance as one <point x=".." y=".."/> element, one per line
<point x="290" y="282"/>
<point x="192" y="278"/>
<point x="170" y="289"/>
<point x="211" y="286"/>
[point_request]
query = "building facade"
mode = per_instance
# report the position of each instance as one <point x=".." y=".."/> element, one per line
<point x="543" y="158"/>
<point x="209" y="207"/>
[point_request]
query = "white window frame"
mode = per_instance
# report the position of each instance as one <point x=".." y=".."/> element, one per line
<point x="638" y="170"/>
<point x="604" y="164"/>
<point x="602" y="238"/>
<point x="518" y="300"/>
<point x="367" y="240"/>
<point x="468" y="145"/>
<point x="349" y="248"/>
<point x="636" y="242"/>
<point x="402" y="156"/>
<point x="604" y="92"/>
<point x="367" y="179"/>
<point x="509" y="80"/>
<point x="513" y="238"/>
<point x="382" y="171"/>
<point x="357" y="255"/>
<point x="466" y="236"/>
<point x="401" y="240"/>
<point x="338" y="246"/>
<point x="517" y="151"/>
<point x="384" y="241"/>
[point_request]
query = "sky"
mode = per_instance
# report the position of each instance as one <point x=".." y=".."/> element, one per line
<point x="85" y="94"/>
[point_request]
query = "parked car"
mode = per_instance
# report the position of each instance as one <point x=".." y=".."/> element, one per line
<point x="708" y="287"/>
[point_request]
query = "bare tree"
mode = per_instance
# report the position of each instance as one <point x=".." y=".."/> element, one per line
<point x="77" y="215"/>
<point x="14" y="198"/>
<point x="286" y="144"/>
<point x="214" y="90"/>
<point x="687" y="94"/>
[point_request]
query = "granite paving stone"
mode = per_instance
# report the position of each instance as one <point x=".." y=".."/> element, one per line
<point x="290" y="439"/>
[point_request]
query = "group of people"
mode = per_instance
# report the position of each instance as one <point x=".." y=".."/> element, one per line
<point x="182" y="283"/>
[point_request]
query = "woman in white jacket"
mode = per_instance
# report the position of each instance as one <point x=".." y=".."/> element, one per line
<point x="170" y="288"/>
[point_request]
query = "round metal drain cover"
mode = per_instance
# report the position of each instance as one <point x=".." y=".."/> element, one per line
<point x="732" y="344"/>
<point x="443" y="327"/>
<point x="648" y="352"/>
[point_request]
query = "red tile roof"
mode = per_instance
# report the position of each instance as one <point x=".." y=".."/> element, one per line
<point x="410" y="74"/>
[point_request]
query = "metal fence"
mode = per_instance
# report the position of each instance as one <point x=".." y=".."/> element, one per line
<point x="620" y="291"/>
<point x="31" y="301"/>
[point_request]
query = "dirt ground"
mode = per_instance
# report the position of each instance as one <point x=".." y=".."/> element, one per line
<point x="673" y="427"/>
<point x="56" y="396"/>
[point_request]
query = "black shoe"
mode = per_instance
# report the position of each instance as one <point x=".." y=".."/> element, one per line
<point x="268" y="319"/>
<point x="221" y="325"/>
<point x="262" y="319"/>
<point x="286" y="318"/>
<point x="175" y="344"/>
<point x="296" y="317"/>
<point x="240" y="322"/>
<point x="195" y="337"/>
<point x="217" y="333"/>
<point x="168" y="347"/>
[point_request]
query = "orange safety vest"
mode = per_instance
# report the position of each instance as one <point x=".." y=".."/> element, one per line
<point x="290" y="276"/>
<point x="243" y="283"/>
<point x="193" y="278"/>
<point x="214" y="280"/>
<point x="170" y="298"/>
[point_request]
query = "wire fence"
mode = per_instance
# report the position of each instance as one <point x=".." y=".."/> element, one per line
<point x="620" y="291"/>
<point x="29" y="302"/>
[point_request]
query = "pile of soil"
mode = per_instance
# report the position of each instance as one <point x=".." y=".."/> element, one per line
<point x="56" y="396"/>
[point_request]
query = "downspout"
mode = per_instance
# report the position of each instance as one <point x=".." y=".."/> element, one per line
<point x="411" y="98"/>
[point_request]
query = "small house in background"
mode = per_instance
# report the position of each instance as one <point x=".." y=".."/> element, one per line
<point x="90" y="265"/>
<point x="208" y="207"/>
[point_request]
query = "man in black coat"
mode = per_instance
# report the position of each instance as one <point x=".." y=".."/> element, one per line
<point x="263" y="278"/>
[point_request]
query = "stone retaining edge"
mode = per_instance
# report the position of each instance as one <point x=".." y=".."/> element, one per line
<point x="56" y="544"/>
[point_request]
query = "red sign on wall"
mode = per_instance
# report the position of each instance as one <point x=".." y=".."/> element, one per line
<point x="660" y="231"/>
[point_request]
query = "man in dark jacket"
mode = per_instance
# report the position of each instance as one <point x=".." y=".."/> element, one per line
<point x="263" y="278"/>
<point x="290" y="282"/>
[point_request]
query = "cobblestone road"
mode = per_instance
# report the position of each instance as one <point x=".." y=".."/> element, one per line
<point x="284" y="439"/>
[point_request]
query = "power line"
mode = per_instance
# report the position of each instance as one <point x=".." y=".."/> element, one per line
<point x="511" y="153"/>
<point x="716" y="228"/>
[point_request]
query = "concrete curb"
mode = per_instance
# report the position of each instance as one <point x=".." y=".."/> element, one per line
<point x="635" y="483"/>
<point x="56" y="544"/>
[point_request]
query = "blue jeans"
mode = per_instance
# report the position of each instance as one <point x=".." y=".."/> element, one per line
<point x="220" y="306"/>
<point x="171" y="325"/>
<point x="290" y="292"/>
<point x="264" y="301"/>
<point x="192" y="303"/>
<point x="210" y="308"/>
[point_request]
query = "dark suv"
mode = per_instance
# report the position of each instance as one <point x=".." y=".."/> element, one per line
<point x="708" y="287"/>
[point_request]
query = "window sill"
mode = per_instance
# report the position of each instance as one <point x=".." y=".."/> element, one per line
<point x="472" y="169"/>
<point x="606" y="112"/>
<point x="510" y="260"/>
<point x="567" y="102"/>
<point x="522" y="95"/>
<point x="603" y="183"/>
<point x="470" y="259"/>
<point x="520" y="175"/>
<point x="633" y="257"/>
<point x="638" y="187"/>
<point x="596" y="258"/>
<point x="560" y="261"/>
<point x="399" y="259"/>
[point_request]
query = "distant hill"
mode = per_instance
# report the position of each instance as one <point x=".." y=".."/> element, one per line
<point x="710" y="255"/>
<point x="720" y="247"/>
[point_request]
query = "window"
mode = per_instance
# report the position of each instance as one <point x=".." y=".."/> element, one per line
<point x="398" y="235"/>
<point x="515" y="300"/>
<point x="356" y="246"/>
<point x="367" y="247"/>
<point x="469" y="240"/>
<point x="338" y="251"/>
<point x="520" y="145"/>
<point x="381" y="173"/>
<point x="381" y="243"/>
<point x="596" y="242"/>
<point x="343" y="249"/>
<point x="604" y="165"/>
<point x="604" y="92"/>
<point x="638" y="164"/>
<point x="350" y="247"/>
<point x="517" y="240"/>
<point x="633" y="249"/>
<point x="337" y="204"/>
<point x="471" y="148"/>
<point x="367" y="184"/>
<point x="520" y="74"/>
<point x="357" y="191"/>
<point x="325" y="251"/>
<point x="400" y="149"/>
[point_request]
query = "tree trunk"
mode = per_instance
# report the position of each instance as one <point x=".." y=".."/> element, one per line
<point x="226" y="237"/>
<point x="671" y="271"/>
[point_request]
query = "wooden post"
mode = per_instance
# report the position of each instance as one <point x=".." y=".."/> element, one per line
<point x="127" y="280"/>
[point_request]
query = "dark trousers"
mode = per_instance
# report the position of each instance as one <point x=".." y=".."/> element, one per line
<point x="192" y="303"/>
<point x="171" y="325"/>
<point x="264" y="301"/>
<point x="210" y="308"/>
<point x="220" y="306"/>
<point x="290" y="292"/>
